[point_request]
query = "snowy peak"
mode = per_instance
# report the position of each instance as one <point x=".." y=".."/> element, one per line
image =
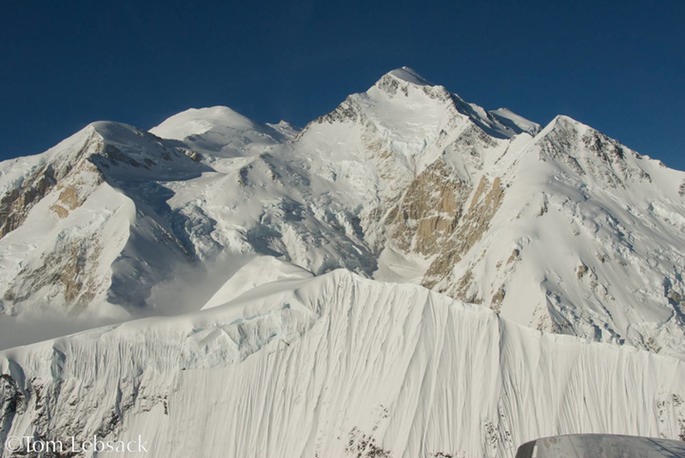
<point x="109" y="145"/>
<point x="408" y="75"/>
<point x="591" y="155"/>
<point x="515" y="122"/>
<point x="286" y="129"/>
<point x="124" y="153"/>
<point x="569" y="127"/>
<point x="197" y="121"/>
<point x="402" y="80"/>
<point x="85" y="223"/>
<point x="500" y="123"/>
<point x="402" y="101"/>
<point x="406" y="181"/>
<point x="565" y="123"/>
<point x="220" y="132"/>
<point x="240" y="240"/>
<point x="404" y="83"/>
<point x="404" y="116"/>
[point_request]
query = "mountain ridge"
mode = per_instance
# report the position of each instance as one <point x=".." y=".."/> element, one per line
<point x="406" y="181"/>
<point x="407" y="275"/>
<point x="336" y="365"/>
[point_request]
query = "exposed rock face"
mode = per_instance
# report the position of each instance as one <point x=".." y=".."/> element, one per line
<point x="15" y="205"/>
<point x="69" y="270"/>
<point x="404" y="180"/>
<point x="75" y="188"/>
<point x="12" y="403"/>
<point x="77" y="201"/>
<point x="483" y="206"/>
<point x="428" y="213"/>
<point x="68" y="172"/>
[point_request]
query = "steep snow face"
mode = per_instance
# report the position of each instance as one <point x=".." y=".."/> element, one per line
<point x="409" y="75"/>
<point x="515" y="122"/>
<point x="200" y="121"/>
<point x="561" y="228"/>
<point x="585" y="241"/>
<point x="220" y="131"/>
<point x="335" y="366"/>
<point x="366" y="153"/>
<point x="98" y="227"/>
<point x="256" y="272"/>
<point x="89" y="237"/>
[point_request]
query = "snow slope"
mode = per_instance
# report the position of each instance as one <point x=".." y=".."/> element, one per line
<point x="557" y="228"/>
<point x="256" y="272"/>
<point x="584" y="241"/>
<point x="88" y="225"/>
<point x="336" y="365"/>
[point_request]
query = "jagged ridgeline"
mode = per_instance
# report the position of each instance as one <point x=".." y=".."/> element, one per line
<point x="562" y="228"/>
<point x="334" y="366"/>
<point x="233" y="230"/>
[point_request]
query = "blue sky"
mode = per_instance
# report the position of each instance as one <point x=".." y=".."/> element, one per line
<point x="616" y="65"/>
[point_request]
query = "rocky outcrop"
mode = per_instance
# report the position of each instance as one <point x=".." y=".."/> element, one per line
<point x="74" y="189"/>
<point x="483" y="206"/>
<point x="15" y="204"/>
<point x="69" y="270"/>
<point x="12" y="403"/>
<point x="405" y="180"/>
<point x="428" y="213"/>
<point x="51" y="172"/>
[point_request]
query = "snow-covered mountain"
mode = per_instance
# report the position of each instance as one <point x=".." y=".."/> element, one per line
<point x="559" y="228"/>
<point x="334" y="366"/>
<point x="225" y="234"/>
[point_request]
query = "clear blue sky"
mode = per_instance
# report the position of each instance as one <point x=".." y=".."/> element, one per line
<point x="616" y="65"/>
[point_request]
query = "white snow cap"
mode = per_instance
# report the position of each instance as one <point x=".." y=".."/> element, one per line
<point x="508" y="117"/>
<point x="409" y="75"/>
<point x="197" y="121"/>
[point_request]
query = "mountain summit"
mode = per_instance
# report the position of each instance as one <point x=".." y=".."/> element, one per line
<point x="559" y="228"/>
<point x="409" y="75"/>
<point x="365" y="286"/>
